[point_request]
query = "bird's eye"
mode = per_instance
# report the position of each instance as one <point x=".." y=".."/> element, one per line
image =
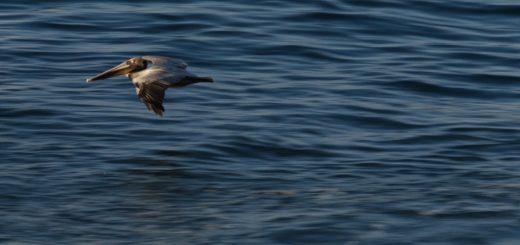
<point x="128" y="62"/>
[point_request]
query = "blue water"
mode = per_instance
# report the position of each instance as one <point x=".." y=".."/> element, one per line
<point x="330" y="122"/>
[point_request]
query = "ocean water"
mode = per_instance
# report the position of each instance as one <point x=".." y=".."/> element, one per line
<point x="330" y="122"/>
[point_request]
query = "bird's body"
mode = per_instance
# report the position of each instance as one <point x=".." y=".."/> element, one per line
<point x="151" y="76"/>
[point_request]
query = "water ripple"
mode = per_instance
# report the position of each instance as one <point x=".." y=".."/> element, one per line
<point x="337" y="122"/>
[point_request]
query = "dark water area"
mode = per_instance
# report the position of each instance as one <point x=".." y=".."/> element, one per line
<point x="330" y="122"/>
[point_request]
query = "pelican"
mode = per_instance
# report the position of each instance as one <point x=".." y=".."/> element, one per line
<point x="151" y="76"/>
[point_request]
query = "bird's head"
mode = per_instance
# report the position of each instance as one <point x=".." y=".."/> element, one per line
<point x="132" y="65"/>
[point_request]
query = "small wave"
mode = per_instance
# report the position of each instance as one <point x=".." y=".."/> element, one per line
<point x="475" y="9"/>
<point x="447" y="138"/>
<point x="443" y="90"/>
<point x="16" y="113"/>
<point x="327" y="16"/>
<point x="65" y="25"/>
<point x="269" y="150"/>
<point x="372" y="122"/>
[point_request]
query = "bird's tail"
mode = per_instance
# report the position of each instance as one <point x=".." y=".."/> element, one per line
<point x="203" y="79"/>
<point x="191" y="80"/>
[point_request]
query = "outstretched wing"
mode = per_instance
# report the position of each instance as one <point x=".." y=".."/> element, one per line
<point x="160" y="74"/>
<point x="152" y="95"/>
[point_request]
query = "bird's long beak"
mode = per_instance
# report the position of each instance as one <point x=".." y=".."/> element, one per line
<point x="121" y="69"/>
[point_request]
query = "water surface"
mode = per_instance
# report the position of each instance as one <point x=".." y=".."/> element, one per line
<point x="330" y="122"/>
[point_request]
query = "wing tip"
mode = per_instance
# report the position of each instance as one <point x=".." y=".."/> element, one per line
<point x="158" y="111"/>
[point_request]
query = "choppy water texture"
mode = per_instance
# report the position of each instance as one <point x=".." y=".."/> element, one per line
<point x="330" y="122"/>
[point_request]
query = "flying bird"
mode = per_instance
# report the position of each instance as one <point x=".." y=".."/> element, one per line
<point x="151" y="76"/>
